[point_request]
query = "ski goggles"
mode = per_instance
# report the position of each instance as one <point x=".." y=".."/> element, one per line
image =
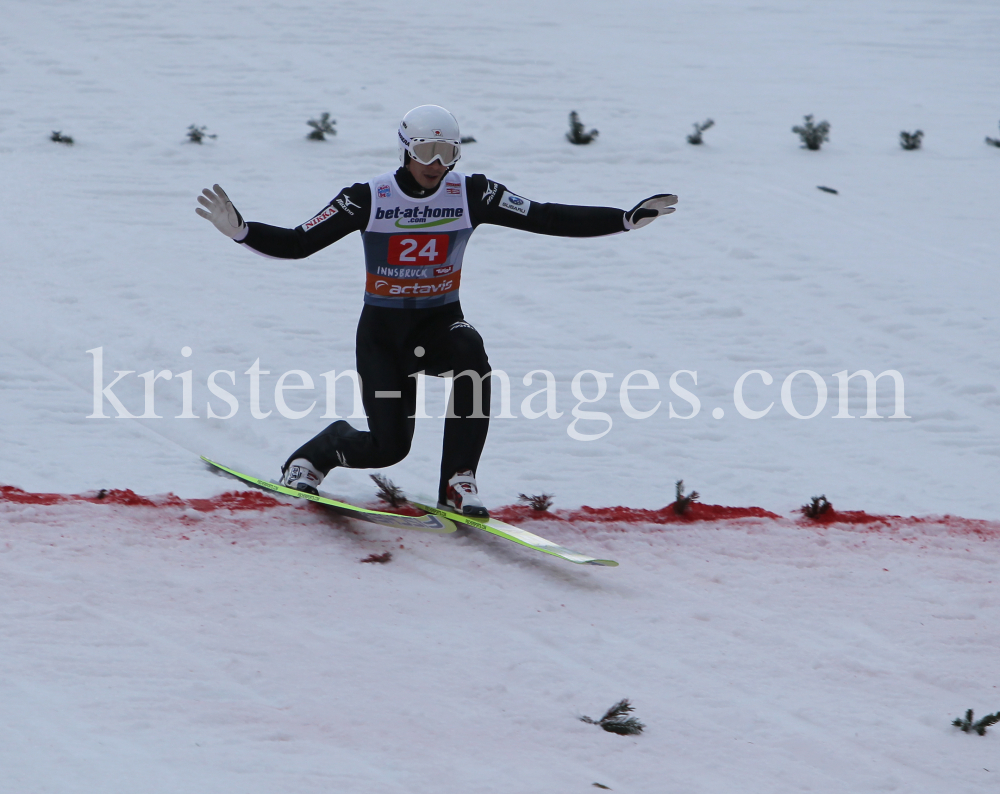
<point x="426" y="152"/>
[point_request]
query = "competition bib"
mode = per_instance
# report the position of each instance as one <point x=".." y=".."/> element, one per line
<point x="414" y="247"/>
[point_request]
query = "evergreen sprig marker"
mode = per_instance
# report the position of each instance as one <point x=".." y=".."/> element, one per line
<point x="540" y="502"/>
<point x="576" y="134"/>
<point x="979" y="726"/>
<point x="197" y="134"/>
<point x="993" y="141"/>
<point x="682" y="503"/>
<point x="616" y="721"/>
<point x="911" y="140"/>
<point x="58" y="137"/>
<point x="816" y="507"/>
<point x="695" y="137"/>
<point x="321" y="127"/>
<point x="388" y="491"/>
<point x="812" y="135"/>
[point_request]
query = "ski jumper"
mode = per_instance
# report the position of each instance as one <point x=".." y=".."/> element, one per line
<point x="412" y="322"/>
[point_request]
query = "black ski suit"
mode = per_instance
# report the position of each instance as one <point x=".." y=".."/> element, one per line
<point x="412" y="320"/>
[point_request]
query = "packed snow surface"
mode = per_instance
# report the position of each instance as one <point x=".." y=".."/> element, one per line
<point x="179" y="648"/>
<point x="192" y="644"/>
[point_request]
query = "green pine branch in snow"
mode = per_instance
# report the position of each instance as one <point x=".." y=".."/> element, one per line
<point x="812" y="135"/>
<point x="197" y="134"/>
<point x="695" y="137"/>
<point x="816" y="507"/>
<point x="616" y="720"/>
<point x="682" y="502"/>
<point x="539" y="502"/>
<point x="992" y="141"/>
<point x="911" y="140"/>
<point x="321" y="127"/>
<point x="576" y="134"/>
<point x="388" y="491"/>
<point x="979" y="726"/>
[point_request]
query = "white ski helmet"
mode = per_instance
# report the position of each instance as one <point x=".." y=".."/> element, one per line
<point x="428" y="133"/>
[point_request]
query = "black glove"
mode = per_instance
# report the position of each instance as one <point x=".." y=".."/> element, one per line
<point x="648" y="210"/>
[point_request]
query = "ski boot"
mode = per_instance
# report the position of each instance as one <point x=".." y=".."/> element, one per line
<point x="463" y="496"/>
<point x="301" y="476"/>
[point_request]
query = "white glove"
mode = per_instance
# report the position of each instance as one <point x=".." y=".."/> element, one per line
<point x="221" y="212"/>
<point x="649" y="210"/>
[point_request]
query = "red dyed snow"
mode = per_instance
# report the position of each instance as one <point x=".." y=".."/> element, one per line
<point x="8" y="493"/>
<point x="519" y="514"/>
<point x="831" y="516"/>
<point x="232" y="500"/>
<point x="965" y="526"/>
<point x="701" y="512"/>
<point x="628" y="515"/>
<point x="237" y="500"/>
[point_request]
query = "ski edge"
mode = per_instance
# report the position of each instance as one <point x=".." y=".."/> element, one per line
<point x="517" y="535"/>
<point x="393" y="520"/>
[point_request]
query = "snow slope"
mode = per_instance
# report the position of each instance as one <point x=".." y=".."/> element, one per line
<point x="757" y="270"/>
<point x="762" y="655"/>
<point x="171" y="649"/>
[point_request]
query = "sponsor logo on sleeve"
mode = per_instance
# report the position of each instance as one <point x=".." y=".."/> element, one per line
<point x="325" y="215"/>
<point x="345" y="203"/>
<point x="515" y="203"/>
<point x="384" y="191"/>
<point x="490" y="193"/>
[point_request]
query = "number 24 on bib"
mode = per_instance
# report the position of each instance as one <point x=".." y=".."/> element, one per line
<point x="418" y="249"/>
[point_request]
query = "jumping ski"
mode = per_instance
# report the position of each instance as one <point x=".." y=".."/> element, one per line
<point x="517" y="535"/>
<point x="425" y="523"/>
<point x="435" y="519"/>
